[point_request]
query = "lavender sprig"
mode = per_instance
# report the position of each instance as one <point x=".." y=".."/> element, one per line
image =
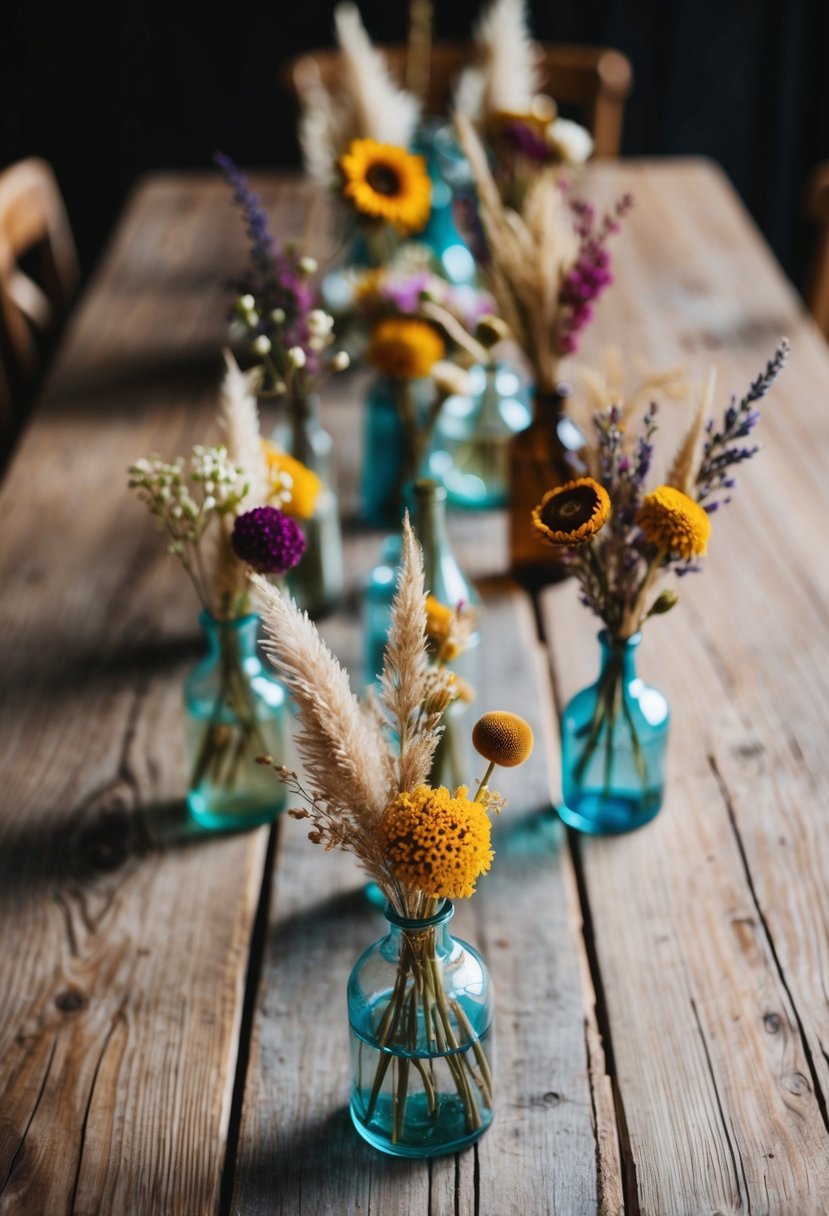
<point x="723" y="448"/>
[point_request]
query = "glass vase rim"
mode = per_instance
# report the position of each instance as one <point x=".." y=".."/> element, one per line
<point x="444" y="913"/>
<point x="208" y="621"/>
<point x="610" y="643"/>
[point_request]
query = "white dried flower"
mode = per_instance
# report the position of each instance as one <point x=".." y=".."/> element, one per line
<point x="277" y="315"/>
<point x="571" y="142"/>
<point x="319" y="322"/>
<point x="340" y="361"/>
<point x="246" y="303"/>
<point x="261" y="345"/>
<point x="308" y="266"/>
<point x="296" y="357"/>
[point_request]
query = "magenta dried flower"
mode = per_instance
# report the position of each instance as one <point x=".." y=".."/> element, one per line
<point x="268" y="540"/>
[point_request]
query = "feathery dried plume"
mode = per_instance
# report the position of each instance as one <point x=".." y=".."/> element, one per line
<point x="380" y="109"/>
<point x="368" y="104"/>
<point x="342" y="747"/>
<point x="238" y="419"/>
<point x="507" y="78"/>
<point x="406" y="669"/>
<point x="530" y="255"/>
<point x="686" y="461"/>
<point x="239" y="423"/>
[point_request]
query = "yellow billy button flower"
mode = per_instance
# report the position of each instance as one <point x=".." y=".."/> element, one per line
<point x="303" y="483"/>
<point x="501" y="738"/>
<point x="437" y="842"/>
<point x="573" y="513"/>
<point x="404" y="348"/>
<point x="387" y="183"/>
<point x="674" y="522"/>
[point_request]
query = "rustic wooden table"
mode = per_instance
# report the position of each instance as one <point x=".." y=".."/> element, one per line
<point x="172" y="1021"/>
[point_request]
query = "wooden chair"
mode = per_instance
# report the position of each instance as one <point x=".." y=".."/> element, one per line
<point x="817" y="284"/>
<point x="597" y="80"/>
<point x="34" y="229"/>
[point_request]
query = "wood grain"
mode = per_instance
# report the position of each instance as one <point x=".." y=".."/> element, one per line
<point x="126" y="938"/>
<point x="663" y="1029"/>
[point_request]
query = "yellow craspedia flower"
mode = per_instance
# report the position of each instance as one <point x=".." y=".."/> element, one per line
<point x="674" y="522"/>
<point x="404" y="348"/>
<point x="503" y="738"/>
<point x="385" y="182"/>
<point x="297" y="486"/>
<point x="573" y="513"/>
<point x="437" y="842"/>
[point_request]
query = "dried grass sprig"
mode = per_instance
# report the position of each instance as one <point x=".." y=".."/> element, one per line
<point x="530" y="256"/>
<point x="685" y="464"/>
<point x="341" y="746"/>
<point x="406" y="670"/>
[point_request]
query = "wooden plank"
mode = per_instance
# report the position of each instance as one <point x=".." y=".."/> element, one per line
<point x="723" y="1084"/>
<point x="125" y="938"/>
<point x="297" y="1151"/>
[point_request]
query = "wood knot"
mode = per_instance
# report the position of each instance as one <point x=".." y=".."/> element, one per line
<point x="772" y="1022"/>
<point x="551" y="1098"/>
<point x="106" y="845"/>
<point x="70" y="1000"/>
<point x="797" y="1084"/>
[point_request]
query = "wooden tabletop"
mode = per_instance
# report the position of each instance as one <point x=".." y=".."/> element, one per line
<point x="173" y="1033"/>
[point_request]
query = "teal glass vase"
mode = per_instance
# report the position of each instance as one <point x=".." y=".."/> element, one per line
<point x="392" y="453"/>
<point x="451" y="256"/>
<point x="420" y="1015"/>
<point x="471" y="447"/>
<point x="614" y="737"/>
<point x="234" y="712"/>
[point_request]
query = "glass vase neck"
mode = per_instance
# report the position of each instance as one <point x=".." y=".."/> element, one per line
<point x="402" y="929"/>
<point x="240" y="630"/>
<point x="620" y="651"/>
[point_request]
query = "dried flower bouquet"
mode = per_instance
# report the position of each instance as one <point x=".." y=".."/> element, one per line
<point x="367" y="792"/>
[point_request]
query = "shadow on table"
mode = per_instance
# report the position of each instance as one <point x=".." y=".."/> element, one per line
<point x="321" y="1166"/>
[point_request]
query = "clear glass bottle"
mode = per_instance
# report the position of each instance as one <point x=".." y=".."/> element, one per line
<point x="547" y="454"/>
<point x="614" y="737"/>
<point x="235" y="709"/>
<point x="317" y="582"/>
<point x="420" y="1013"/>
<point x="443" y="576"/>
<point x="471" y="449"/>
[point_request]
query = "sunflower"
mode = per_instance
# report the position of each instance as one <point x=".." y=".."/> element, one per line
<point x="404" y="348"/>
<point x="674" y="522"/>
<point x="573" y="513"/>
<point x="387" y="183"/>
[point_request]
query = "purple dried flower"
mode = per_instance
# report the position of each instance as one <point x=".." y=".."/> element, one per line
<point x="527" y="141"/>
<point x="590" y="274"/>
<point x="268" y="540"/>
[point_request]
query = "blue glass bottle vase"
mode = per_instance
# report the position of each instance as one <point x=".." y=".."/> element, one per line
<point x="614" y="736"/>
<point x="420" y="1015"/>
<point x="235" y="712"/>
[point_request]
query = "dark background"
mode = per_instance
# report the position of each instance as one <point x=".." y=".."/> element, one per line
<point x="107" y="89"/>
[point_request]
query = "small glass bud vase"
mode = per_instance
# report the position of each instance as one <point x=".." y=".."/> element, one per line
<point x="471" y="449"/>
<point x="546" y="455"/>
<point x="443" y="575"/>
<point x="391" y="450"/>
<point x="317" y="582"/>
<point x="235" y="712"/>
<point x="420" y="1015"/>
<point x="614" y="737"/>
